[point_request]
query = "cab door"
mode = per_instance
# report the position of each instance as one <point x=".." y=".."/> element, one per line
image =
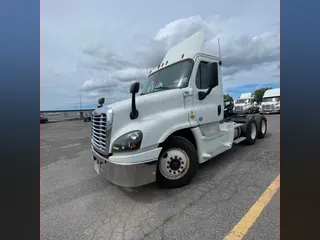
<point x="210" y="110"/>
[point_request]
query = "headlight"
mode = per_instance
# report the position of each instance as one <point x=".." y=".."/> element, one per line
<point x="109" y="117"/>
<point x="128" y="142"/>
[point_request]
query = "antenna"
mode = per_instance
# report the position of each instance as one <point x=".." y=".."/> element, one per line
<point x="220" y="62"/>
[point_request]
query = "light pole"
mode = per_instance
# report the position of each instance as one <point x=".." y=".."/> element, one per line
<point x="80" y="103"/>
<point x="81" y="113"/>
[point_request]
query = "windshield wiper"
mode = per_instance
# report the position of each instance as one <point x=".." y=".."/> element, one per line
<point x="161" y="88"/>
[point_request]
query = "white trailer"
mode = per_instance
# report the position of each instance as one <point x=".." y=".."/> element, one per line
<point x="176" y="123"/>
<point x="271" y="101"/>
<point x="246" y="104"/>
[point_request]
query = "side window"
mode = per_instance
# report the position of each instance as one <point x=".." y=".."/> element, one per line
<point x="202" y="82"/>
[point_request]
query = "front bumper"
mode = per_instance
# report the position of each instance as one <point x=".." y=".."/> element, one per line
<point x="129" y="170"/>
<point x="241" y="111"/>
<point x="270" y="111"/>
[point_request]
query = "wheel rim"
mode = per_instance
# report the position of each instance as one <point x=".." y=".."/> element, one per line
<point x="174" y="163"/>
<point x="263" y="126"/>
<point x="253" y="131"/>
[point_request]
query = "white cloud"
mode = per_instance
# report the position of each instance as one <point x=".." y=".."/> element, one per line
<point x="99" y="68"/>
<point x="130" y="74"/>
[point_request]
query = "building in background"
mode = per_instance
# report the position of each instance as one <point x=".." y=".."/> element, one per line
<point x="61" y="115"/>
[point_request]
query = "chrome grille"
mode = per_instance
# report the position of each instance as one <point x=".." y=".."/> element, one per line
<point x="238" y="108"/>
<point x="268" y="107"/>
<point x="100" y="133"/>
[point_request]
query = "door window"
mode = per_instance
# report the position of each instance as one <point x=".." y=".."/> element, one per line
<point x="202" y="82"/>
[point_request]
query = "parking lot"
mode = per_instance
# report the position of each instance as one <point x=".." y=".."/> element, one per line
<point x="78" y="204"/>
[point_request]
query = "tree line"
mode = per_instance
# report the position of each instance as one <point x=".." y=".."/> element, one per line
<point x="258" y="93"/>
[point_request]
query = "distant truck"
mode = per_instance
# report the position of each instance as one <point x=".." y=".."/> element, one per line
<point x="87" y="118"/>
<point x="271" y="101"/>
<point x="43" y="120"/>
<point x="175" y="124"/>
<point x="246" y="104"/>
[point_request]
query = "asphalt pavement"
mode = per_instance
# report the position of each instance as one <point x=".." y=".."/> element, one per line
<point x="78" y="204"/>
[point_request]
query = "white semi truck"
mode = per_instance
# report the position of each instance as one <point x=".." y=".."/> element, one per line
<point x="175" y="124"/>
<point x="271" y="101"/>
<point x="246" y="104"/>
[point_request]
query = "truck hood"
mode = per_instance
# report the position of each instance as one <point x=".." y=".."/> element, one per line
<point x="150" y="103"/>
<point x="155" y="109"/>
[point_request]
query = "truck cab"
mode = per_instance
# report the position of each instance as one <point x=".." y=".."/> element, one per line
<point x="175" y="124"/>
<point x="246" y="103"/>
<point x="271" y="101"/>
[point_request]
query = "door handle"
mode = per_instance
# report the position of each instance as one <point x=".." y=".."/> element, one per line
<point x="219" y="110"/>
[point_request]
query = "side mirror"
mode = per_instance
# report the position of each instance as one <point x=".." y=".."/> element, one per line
<point x="101" y="102"/>
<point x="133" y="90"/>
<point x="135" y="87"/>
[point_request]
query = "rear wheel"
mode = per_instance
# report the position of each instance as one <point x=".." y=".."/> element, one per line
<point x="251" y="132"/>
<point x="177" y="164"/>
<point x="263" y="127"/>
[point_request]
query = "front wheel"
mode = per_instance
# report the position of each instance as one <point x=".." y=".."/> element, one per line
<point x="177" y="164"/>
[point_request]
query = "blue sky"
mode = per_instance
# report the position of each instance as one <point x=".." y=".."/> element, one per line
<point x="98" y="48"/>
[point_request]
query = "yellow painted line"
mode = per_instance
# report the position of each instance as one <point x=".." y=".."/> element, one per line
<point x="251" y="216"/>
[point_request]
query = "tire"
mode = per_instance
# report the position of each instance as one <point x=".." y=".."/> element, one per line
<point x="178" y="154"/>
<point x="263" y="127"/>
<point x="251" y="132"/>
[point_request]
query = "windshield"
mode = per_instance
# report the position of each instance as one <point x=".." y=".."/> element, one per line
<point x="271" y="99"/>
<point x="242" y="100"/>
<point x="174" y="76"/>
